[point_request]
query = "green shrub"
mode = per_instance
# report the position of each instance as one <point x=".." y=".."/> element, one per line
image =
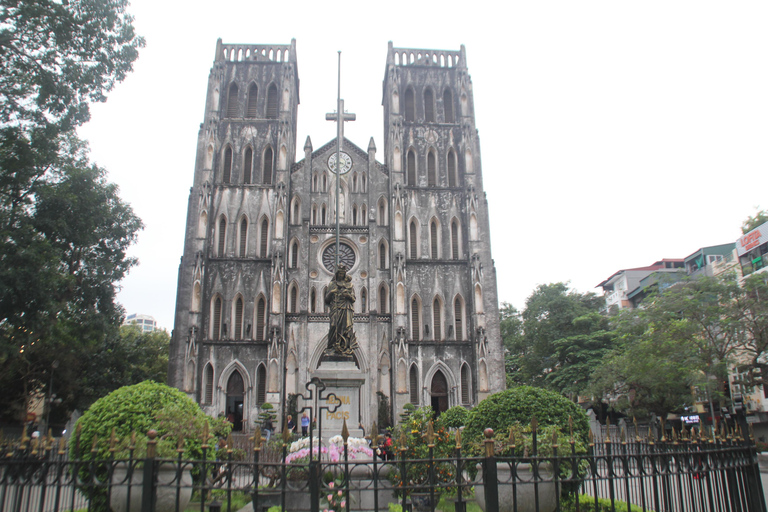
<point x="518" y="405"/>
<point x="454" y="417"/>
<point x="140" y="408"/>
<point x="587" y="504"/>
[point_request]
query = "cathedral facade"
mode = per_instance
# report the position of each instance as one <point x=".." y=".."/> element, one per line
<point x="251" y="320"/>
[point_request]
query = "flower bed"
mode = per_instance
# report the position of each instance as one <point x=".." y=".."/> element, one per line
<point x="357" y="448"/>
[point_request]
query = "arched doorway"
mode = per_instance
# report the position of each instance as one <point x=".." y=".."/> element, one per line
<point x="439" y="392"/>
<point x="235" y="392"/>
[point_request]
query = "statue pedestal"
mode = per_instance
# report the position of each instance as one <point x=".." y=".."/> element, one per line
<point x="339" y="378"/>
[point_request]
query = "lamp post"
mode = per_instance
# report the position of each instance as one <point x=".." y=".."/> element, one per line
<point x="51" y="396"/>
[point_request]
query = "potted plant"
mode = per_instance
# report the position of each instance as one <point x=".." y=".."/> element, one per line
<point x="514" y="415"/>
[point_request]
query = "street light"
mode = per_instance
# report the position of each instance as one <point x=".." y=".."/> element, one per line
<point x="51" y="396"/>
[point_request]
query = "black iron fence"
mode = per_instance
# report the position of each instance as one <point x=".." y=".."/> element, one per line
<point x="682" y="473"/>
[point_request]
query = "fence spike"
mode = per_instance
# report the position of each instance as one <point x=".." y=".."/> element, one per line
<point x="132" y="445"/>
<point x="205" y="444"/>
<point x="256" y="440"/>
<point x="623" y="435"/>
<point x="180" y="444"/>
<point x="751" y="432"/>
<point x="229" y="443"/>
<point x="94" y="444"/>
<point x="488" y="441"/>
<point x="62" y="446"/>
<point x="374" y="434"/>
<point x="554" y="438"/>
<point x="34" y="444"/>
<point x="663" y="431"/>
<point x="287" y="435"/>
<point x="112" y="441"/>
<point x="511" y="438"/>
<point x="344" y="431"/>
<point x="24" y="439"/>
<point x="591" y="438"/>
<point x="403" y="442"/>
<point x="151" y="444"/>
<point x="651" y="435"/>
<point x="458" y="439"/>
<point x="49" y="440"/>
<point x="534" y="424"/>
<point x="430" y="435"/>
<point x="693" y="434"/>
<point x="674" y="435"/>
<point x="570" y="426"/>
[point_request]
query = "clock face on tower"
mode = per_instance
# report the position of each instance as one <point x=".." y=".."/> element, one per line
<point x="346" y="162"/>
<point x="346" y="257"/>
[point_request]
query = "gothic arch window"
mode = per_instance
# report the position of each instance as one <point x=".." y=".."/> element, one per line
<point x="253" y="95"/>
<point x="227" y="173"/>
<point x="429" y="106"/>
<point x="243" y="238"/>
<point x="239" y="318"/>
<point x="382" y="255"/>
<point x="325" y="182"/>
<point x="216" y="318"/>
<point x="261" y="312"/>
<point x="208" y="384"/>
<point x="453" y="175"/>
<point x="314" y="214"/>
<point x="415" y="319"/>
<point x="448" y="106"/>
<point x="382" y="220"/>
<point x="354" y="182"/>
<point x="261" y="385"/>
<point x="314" y="183"/>
<point x="363" y="214"/>
<point x="437" y="319"/>
<point x="414" y="384"/>
<point x="410" y="106"/>
<point x="232" y="101"/>
<point x="364" y="300"/>
<point x="293" y="299"/>
<point x="363" y="181"/>
<point x="354" y="215"/>
<point x="264" y="238"/>
<point x="455" y="248"/>
<point x="458" y="317"/>
<point x="313" y="301"/>
<point x="413" y="235"/>
<point x="478" y="300"/>
<point x="434" y="239"/>
<point x="247" y="165"/>
<point x="464" y="104"/>
<point x="465" y="381"/>
<point x="323" y="215"/>
<point x="383" y="299"/>
<point x="221" y="237"/>
<point x="296" y="211"/>
<point x="411" y="167"/>
<point x="431" y="169"/>
<point x="294" y="254"/>
<point x="272" y="102"/>
<point x="267" y="166"/>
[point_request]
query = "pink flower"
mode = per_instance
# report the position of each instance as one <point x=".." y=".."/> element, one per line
<point x="330" y="484"/>
<point x="343" y="503"/>
<point x="339" y="493"/>
<point x="330" y="497"/>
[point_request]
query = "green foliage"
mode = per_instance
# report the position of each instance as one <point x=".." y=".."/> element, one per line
<point x="454" y="417"/>
<point x="587" y="504"/>
<point x="557" y="341"/>
<point x="686" y="335"/>
<point x="60" y="56"/>
<point x="751" y="222"/>
<point x="413" y="429"/>
<point x="142" y="407"/>
<point x="518" y="405"/>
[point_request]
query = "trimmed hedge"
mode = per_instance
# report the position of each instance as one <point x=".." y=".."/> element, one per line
<point x="518" y="405"/>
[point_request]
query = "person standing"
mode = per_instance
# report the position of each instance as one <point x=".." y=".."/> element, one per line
<point x="304" y="424"/>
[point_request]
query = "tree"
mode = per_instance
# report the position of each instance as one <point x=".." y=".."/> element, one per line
<point x="563" y="336"/>
<point x="64" y="231"/>
<point x="57" y="57"/>
<point x="687" y="336"/>
<point x="760" y="218"/>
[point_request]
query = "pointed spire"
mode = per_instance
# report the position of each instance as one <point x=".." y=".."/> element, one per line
<point x="308" y="144"/>
<point x="371" y="146"/>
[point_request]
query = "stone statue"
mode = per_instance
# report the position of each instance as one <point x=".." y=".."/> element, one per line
<point x="341" y="297"/>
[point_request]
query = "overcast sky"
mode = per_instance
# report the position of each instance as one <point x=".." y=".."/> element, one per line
<point x="613" y="134"/>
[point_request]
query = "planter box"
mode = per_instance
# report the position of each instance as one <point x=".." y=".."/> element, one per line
<point x="524" y="485"/>
<point x="166" y="488"/>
